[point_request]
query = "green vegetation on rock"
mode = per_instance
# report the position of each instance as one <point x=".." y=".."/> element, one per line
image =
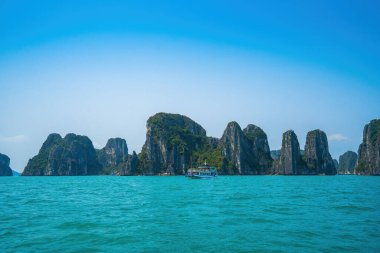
<point x="171" y="144"/>
<point x="375" y="131"/>
<point x="212" y="156"/>
<point x="369" y="150"/>
<point x="72" y="155"/>
<point x="174" y="143"/>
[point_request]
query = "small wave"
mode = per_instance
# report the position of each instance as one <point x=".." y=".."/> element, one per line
<point x="263" y="220"/>
<point x="304" y="234"/>
<point x="78" y="225"/>
<point x="354" y="208"/>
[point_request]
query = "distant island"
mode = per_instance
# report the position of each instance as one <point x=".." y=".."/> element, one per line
<point x="175" y="143"/>
<point x="5" y="170"/>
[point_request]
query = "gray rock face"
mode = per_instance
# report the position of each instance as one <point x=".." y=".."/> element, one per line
<point x="236" y="150"/>
<point x="260" y="148"/>
<point x="290" y="160"/>
<point x="69" y="156"/>
<point x="212" y="142"/>
<point x="5" y="170"/>
<point x="114" y="153"/>
<point x="132" y="164"/>
<point x="347" y="163"/>
<point x="275" y="154"/>
<point x="317" y="156"/>
<point x="245" y="152"/>
<point x="369" y="150"/>
<point x="170" y="141"/>
<point x="336" y="164"/>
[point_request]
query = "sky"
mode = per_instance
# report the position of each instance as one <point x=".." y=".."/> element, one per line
<point x="101" y="68"/>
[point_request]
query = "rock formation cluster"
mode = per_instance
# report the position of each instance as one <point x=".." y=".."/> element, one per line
<point x="73" y="155"/>
<point x="315" y="160"/>
<point x="174" y="143"/>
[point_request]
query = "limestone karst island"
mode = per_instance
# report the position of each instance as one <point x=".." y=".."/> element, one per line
<point x="174" y="143"/>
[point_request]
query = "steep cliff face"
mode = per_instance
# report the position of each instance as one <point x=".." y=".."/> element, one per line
<point x="245" y="152"/>
<point x="5" y="170"/>
<point x="336" y="164"/>
<point x="369" y="150"/>
<point x="347" y="162"/>
<point x="212" y="142"/>
<point x="113" y="155"/>
<point x="131" y="165"/>
<point x="69" y="156"/>
<point x="290" y="160"/>
<point x="38" y="165"/>
<point x="260" y="148"/>
<point x="275" y="154"/>
<point x="317" y="156"/>
<point x="170" y="141"/>
<point x="236" y="149"/>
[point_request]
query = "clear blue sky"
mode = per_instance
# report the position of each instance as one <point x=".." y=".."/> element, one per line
<point x="101" y="68"/>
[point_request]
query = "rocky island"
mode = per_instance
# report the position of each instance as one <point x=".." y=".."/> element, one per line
<point x="317" y="156"/>
<point x="347" y="163"/>
<point x="315" y="160"/>
<point x="174" y="143"/>
<point x="289" y="161"/>
<point x="73" y="155"/>
<point x="171" y="143"/>
<point x="5" y="170"/>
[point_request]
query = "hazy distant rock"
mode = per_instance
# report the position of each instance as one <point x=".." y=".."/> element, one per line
<point x="213" y="143"/>
<point x="5" y="170"/>
<point x="369" y="150"/>
<point x="347" y="162"/>
<point x="113" y="156"/>
<point x="317" y="156"/>
<point x="275" y="154"/>
<point x="69" y="156"/>
<point x="336" y="164"/>
<point x="15" y="173"/>
<point x="131" y="166"/>
<point x="290" y="160"/>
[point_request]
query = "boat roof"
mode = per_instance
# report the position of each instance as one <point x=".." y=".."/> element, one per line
<point x="204" y="168"/>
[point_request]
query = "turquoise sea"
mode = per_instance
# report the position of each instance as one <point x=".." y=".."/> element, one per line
<point x="176" y="214"/>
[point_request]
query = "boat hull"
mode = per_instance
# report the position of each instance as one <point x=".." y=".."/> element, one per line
<point x="201" y="177"/>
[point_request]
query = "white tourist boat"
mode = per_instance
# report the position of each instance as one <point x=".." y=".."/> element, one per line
<point x="202" y="172"/>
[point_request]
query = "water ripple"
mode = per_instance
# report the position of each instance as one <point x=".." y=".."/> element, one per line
<point x="172" y="214"/>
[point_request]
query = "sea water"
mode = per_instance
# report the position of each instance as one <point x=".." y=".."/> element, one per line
<point x="176" y="214"/>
